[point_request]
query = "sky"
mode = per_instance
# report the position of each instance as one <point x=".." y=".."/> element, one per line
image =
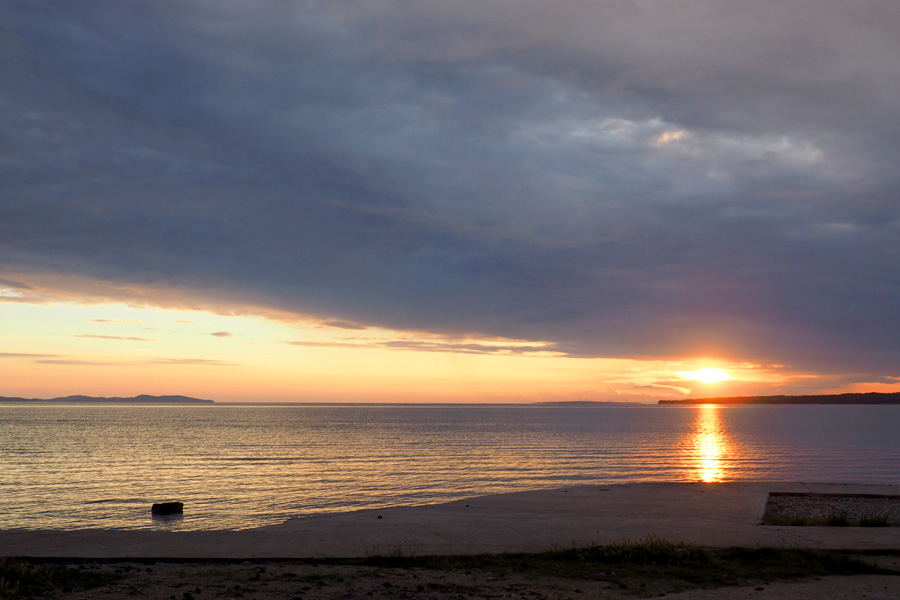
<point x="467" y="201"/>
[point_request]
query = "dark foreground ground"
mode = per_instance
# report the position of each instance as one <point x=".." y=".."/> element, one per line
<point x="645" y="569"/>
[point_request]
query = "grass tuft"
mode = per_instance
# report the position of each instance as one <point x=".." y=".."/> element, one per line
<point x="651" y="551"/>
<point x="838" y="520"/>
<point x="879" y="521"/>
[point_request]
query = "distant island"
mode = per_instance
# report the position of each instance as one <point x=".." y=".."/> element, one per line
<point x="142" y="399"/>
<point x="868" y="398"/>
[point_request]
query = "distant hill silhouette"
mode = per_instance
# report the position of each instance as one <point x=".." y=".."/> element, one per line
<point x="868" y="398"/>
<point x="142" y="399"/>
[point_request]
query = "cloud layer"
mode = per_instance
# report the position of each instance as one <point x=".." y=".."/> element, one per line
<point x="633" y="178"/>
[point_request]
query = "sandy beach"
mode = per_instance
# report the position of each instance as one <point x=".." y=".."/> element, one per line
<point x="703" y="514"/>
<point x="279" y="561"/>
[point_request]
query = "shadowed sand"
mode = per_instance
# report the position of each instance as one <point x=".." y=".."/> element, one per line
<point x="701" y="514"/>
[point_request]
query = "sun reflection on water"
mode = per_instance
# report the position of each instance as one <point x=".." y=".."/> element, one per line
<point x="711" y="444"/>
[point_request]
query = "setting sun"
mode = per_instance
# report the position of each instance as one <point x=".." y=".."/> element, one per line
<point x="707" y="375"/>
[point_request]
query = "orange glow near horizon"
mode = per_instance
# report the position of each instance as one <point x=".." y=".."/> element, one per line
<point x="52" y="348"/>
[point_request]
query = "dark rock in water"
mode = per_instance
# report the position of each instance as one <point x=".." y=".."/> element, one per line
<point x="168" y="508"/>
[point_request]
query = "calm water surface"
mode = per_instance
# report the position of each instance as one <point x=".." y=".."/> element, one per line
<point x="238" y="466"/>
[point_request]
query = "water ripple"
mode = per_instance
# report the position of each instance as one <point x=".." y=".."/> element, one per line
<point x="235" y="467"/>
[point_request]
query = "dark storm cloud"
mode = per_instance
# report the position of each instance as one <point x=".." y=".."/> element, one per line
<point x="15" y="285"/>
<point x="620" y="178"/>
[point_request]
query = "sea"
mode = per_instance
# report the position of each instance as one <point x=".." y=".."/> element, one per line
<point x="239" y="466"/>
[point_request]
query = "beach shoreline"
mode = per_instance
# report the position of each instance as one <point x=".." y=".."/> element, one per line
<point x="302" y="558"/>
<point x="702" y="514"/>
